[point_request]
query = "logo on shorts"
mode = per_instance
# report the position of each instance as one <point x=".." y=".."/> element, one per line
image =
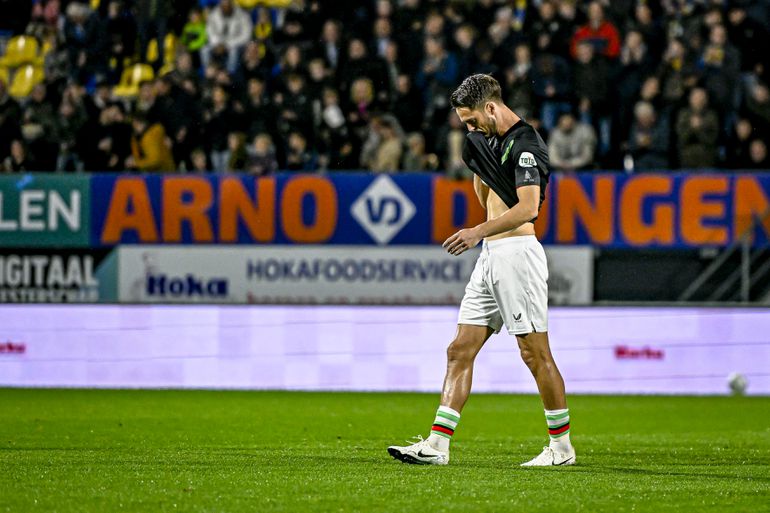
<point x="517" y="318"/>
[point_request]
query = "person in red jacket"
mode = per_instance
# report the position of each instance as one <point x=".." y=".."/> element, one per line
<point x="602" y="34"/>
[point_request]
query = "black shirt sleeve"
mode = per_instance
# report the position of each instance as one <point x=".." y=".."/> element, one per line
<point x="525" y="168"/>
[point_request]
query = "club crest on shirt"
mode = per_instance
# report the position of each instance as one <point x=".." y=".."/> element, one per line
<point x="526" y="159"/>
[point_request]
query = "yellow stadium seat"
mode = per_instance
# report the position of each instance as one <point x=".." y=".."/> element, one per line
<point x="20" y="50"/>
<point x="250" y="4"/>
<point x="25" y="78"/>
<point x="4" y="75"/>
<point x="132" y="77"/>
<point x="95" y="4"/>
<point x="169" y="49"/>
<point x="166" y="69"/>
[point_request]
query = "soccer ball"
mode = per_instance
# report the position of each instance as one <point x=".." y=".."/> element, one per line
<point x="737" y="383"/>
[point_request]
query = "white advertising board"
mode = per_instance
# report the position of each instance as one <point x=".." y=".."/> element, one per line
<point x="598" y="349"/>
<point x="408" y="275"/>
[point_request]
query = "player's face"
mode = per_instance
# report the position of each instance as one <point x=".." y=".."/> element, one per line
<point x="478" y="120"/>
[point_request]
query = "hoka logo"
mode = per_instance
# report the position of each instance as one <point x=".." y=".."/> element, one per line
<point x="187" y="286"/>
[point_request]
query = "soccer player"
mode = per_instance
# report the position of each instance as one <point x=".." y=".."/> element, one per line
<point x="508" y="285"/>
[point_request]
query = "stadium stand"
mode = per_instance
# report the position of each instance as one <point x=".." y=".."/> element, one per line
<point x="326" y="85"/>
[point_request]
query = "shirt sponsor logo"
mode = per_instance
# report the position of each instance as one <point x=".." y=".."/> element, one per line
<point x="526" y="159"/>
<point x="383" y="209"/>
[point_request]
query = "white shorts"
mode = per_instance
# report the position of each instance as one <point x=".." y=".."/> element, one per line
<point x="508" y="286"/>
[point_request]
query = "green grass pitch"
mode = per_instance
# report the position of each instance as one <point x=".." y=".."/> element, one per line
<point x="147" y="451"/>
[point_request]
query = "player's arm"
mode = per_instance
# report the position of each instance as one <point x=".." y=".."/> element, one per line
<point x="482" y="190"/>
<point x="522" y="212"/>
<point x="527" y="179"/>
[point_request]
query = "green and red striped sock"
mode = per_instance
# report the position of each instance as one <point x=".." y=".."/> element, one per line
<point x="558" y="427"/>
<point x="443" y="427"/>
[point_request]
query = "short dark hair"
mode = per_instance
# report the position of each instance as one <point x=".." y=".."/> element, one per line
<point x="475" y="91"/>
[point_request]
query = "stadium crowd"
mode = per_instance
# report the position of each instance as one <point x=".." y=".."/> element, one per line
<point x="305" y="85"/>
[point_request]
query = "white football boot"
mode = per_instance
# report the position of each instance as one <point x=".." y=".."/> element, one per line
<point x="552" y="458"/>
<point x="420" y="453"/>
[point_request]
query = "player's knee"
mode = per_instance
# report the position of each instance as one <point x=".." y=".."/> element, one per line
<point x="460" y="350"/>
<point x="529" y="357"/>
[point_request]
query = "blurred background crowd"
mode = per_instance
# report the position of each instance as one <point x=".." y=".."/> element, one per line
<point x="259" y="86"/>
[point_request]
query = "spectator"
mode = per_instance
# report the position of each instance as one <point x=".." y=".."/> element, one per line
<point x="601" y="33"/>
<point x="645" y="23"/>
<point x="697" y="130"/>
<point x="113" y="141"/>
<point x="551" y="33"/>
<point x="360" y="65"/>
<point x="390" y="148"/>
<point x="199" y="161"/>
<point x="552" y="87"/>
<point x="219" y="120"/>
<point x="738" y="149"/>
<point x="758" y="108"/>
<point x="407" y="105"/>
<point x="121" y="31"/>
<point x="85" y="42"/>
<point x="449" y="146"/>
<point x="383" y="36"/>
<point x="149" y="150"/>
<point x="591" y="76"/>
<point x="10" y="119"/>
<point x="721" y="69"/>
<point x="332" y="133"/>
<point x="180" y="116"/>
<point x="69" y="126"/>
<point x="236" y="149"/>
<point x="38" y="127"/>
<point x="465" y="39"/>
<point x="675" y="72"/>
<point x="298" y="156"/>
<point x="571" y="144"/>
<point x="261" y="159"/>
<point x="259" y="112"/>
<point x="228" y="29"/>
<point x="194" y="36"/>
<point x="518" y="83"/>
<point x="416" y="158"/>
<point x="648" y="141"/>
<point x="437" y="76"/>
<point x="758" y="155"/>
<point x="330" y="43"/>
<point x="152" y="19"/>
<point x="16" y="161"/>
<point x="749" y="36"/>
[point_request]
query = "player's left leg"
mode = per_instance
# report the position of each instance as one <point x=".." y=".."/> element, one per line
<point x="536" y="353"/>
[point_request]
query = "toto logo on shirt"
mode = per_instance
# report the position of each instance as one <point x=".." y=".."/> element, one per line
<point x="189" y="285"/>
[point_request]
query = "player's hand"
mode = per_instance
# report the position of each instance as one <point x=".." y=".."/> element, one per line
<point x="462" y="241"/>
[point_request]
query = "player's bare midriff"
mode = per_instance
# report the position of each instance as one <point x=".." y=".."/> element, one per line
<point x="495" y="208"/>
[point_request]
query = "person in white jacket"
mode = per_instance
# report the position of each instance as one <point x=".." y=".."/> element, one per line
<point x="228" y="29"/>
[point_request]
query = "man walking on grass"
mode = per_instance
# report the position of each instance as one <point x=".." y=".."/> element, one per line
<point x="508" y="285"/>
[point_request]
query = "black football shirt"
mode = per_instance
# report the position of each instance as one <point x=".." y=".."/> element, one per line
<point x="517" y="158"/>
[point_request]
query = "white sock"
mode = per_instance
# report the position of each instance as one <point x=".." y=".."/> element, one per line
<point x="443" y="428"/>
<point x="558" y="429"/>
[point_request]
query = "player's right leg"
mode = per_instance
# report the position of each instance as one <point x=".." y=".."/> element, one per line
<point x="478" y="319"/>
<point x="461" y="354"/>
